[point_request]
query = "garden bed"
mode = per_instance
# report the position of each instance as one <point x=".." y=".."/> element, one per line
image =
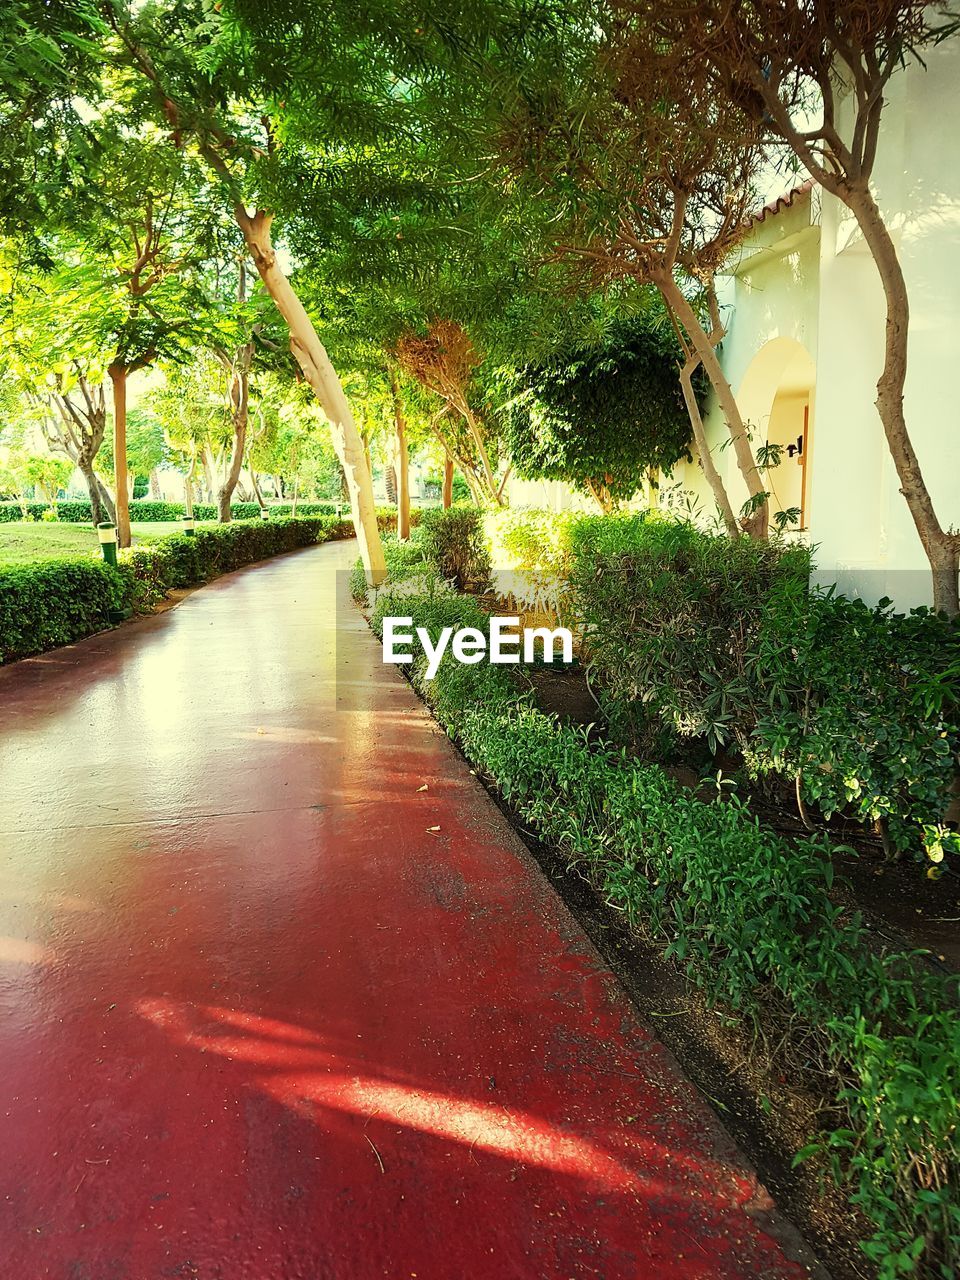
<point x="900" y="902"/>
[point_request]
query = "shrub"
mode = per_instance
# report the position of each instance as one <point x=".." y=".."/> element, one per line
<point x="453" y="545"/>
<point x="749" y="916"/>
<point x="146" y="510"/>
<point x="671" y="615"/>
<point x="55" y="602"/>
<point x="861" y="706"/>
<point x="532" y="556"/>
<point x="58" y="601"/>
<point x="404" y="559"/>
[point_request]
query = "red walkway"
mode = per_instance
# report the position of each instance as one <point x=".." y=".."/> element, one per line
<point x="259" y="1022"/>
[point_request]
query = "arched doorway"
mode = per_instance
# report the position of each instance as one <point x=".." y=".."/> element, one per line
<point x="776" y="401"/>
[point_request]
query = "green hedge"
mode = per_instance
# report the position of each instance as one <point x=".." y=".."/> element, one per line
<point x="59" y="601"/>
<point x="147" y="511"/>
<point x="55" y="602"/>
<point x="750" y="917"/>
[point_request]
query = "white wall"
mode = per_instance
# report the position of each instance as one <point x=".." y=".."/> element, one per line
<point x="859" y="518"/>
<point x="769" y="298"/>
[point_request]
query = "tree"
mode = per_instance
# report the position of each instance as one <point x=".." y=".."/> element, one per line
<point x="628" y="184"/>
<point x="201" y="70"/>
<point x="444" y="361"/>
<point x="50" y="359"/>
<point x="48" y="475"/>
<point x="78" y="431"/>
<point x="602" y="418"/>
<point x="770" y="61"/>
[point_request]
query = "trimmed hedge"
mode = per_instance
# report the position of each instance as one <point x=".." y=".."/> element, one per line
<point x="145" y="510"/>
<point x="56" y="602"/>
<point x="749" y="916"/>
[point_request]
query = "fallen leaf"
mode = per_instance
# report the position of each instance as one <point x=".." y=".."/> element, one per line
<point x="423" y="788"/>
<point x="433" y="830"/>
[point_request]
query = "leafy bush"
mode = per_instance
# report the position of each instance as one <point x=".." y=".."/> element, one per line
<point x="602" y="417"/>
<point x="404" y="559"/>
<point x="671" y="616"/>
<point x="531" y="552"/>
<point x="750" y="917"/>
<point x="453" y="545"/>
<point x="862" y="707"/>
<point x="55" y="602"/>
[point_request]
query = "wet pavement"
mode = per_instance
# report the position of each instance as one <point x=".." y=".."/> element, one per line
<point x="282" y="996"/>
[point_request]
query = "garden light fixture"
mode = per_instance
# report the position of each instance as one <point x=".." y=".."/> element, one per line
<point x="107" y="533"/>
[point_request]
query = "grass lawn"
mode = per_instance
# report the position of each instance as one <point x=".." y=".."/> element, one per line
<point x="25" y="543"/>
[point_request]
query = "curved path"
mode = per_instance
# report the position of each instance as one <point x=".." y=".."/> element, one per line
<point x="260" y="1020"/>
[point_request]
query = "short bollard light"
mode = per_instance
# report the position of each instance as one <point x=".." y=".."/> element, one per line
<point x="107" y="533"/>
<point x="264" y="513"/>
<point x="189" y="524"/>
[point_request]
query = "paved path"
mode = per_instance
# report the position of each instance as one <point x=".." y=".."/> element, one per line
<point x="259" y="1022"/>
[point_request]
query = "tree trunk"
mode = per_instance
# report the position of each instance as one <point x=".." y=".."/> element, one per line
<point x="99" y="511"/>
<point x="296" y="495"/>
<point x="107" y="499"/>
<point x="319" y="372"/>
<point x="403" y="464"/>
<point x="155" y="485"/>
<point x="941" y="546"/>
<point x="257" y="491"/>
<point x="601" y="495"/>
<point x="757" y="522"/>
<point x="225" y="496"/>
<point x="486" y="480"/>
<point x="447" y="492"/>
<point x="118" y="379"/>
<point x="209" y="472"/>
<point x="706" y="457"/>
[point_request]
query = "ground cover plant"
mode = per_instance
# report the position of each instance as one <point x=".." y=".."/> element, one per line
<point x="751" y="918"/>
<point x="715" y="650"/>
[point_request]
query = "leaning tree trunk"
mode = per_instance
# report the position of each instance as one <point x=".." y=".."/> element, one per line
<point x="101" y="508"/>
<point x="107" y="499"/>
<point x="118" y="378"/>
<point x="942" y="547"/>
<point x="320" y="373"/>
<point x="720" y="494"/>
<point x="447" y="492"/>
<point x="403" y="464"/>
<point x="757" y="522"/>
<point x="225" y="496"/>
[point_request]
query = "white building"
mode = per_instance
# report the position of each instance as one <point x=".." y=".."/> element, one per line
<point x="805" y="314"/>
